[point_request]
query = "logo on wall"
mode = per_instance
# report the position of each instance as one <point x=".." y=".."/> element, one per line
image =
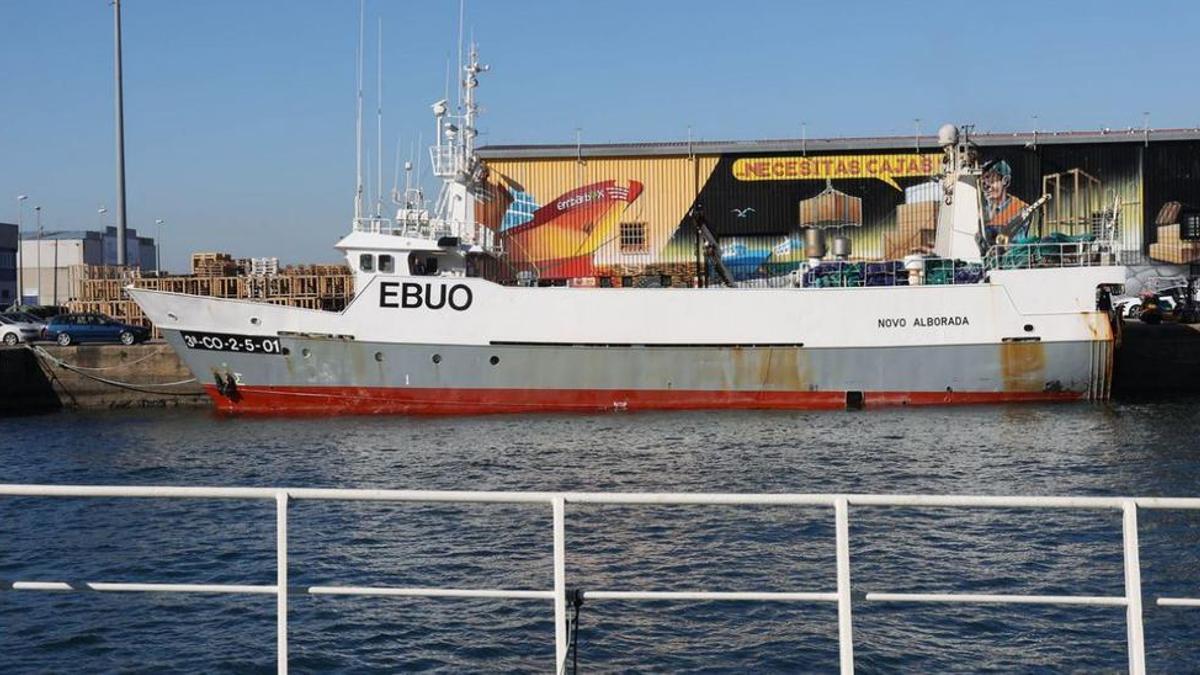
<point x="838" y="167"/>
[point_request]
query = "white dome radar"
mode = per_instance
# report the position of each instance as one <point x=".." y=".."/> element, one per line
<point x="947" y="135"/>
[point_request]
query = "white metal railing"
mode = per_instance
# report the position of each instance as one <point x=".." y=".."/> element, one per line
<point x="374" y="225"/>
<point x="447" y="160"/>
<point x="1041" y="254"/>
<point x="840" y="503"/>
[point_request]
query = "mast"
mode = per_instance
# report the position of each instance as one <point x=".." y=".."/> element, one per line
<point x="379" y="123"/>
<point x="470" y="82"/>
<point x="358" y="135"/>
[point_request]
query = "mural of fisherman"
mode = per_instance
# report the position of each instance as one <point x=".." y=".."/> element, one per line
<point x="1002" y="211"/>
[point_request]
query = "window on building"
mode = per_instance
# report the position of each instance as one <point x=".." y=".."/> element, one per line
<point x="387" y="264"/>
<point x="366" y="262"/>
<point x="633" y="238"/>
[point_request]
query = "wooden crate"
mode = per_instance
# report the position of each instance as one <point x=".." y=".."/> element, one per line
<point x="831" y="208"/>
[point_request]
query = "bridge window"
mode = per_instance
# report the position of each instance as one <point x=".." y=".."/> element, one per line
<point x="633" y="238"/>
<point x="387" y="264"/>
<point x="366" y="262"/>
<point x="422" y="265"/>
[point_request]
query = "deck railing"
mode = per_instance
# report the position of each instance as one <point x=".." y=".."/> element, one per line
<point x="557" y="592"/>
<point x="1054" y="254"/>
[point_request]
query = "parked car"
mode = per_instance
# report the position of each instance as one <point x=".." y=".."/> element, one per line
<point x="43" y="312"/>
<point x="26" y="317"/>
<point x="67" y="329"/>
<point x="14" y="331"/>
<point x="1167" y="301"/>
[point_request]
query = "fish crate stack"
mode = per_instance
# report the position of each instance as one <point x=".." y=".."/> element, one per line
<point x="101" y="289"/>
<point x="831" y="208"/>
<point x="1178" y="234"/>
<point x="916" y="229"/>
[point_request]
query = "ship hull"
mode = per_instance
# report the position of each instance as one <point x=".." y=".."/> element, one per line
<point x="461" y="345"/>
<point x="336" y="376"/>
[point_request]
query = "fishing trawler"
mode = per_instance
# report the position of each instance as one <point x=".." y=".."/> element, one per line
<point x="436" y="327"/>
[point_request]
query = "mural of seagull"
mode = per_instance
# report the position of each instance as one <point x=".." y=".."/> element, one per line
<point x="742" y="213"/>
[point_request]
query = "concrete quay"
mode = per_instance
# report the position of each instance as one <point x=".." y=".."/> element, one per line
<point x="96" y="377"/>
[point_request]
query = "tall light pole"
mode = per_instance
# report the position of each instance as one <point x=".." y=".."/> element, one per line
<point x="20" y="259"/>
<point x="38" y="212"/>
<point x="120" y="136"/>
<point x="158" y="247"/>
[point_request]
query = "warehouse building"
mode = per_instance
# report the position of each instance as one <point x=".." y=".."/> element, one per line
<point x="50" y="261"/>
<point x="8" y="264"/>
<point x="616" y="214"/>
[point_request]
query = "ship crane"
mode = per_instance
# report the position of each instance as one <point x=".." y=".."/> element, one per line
<point x="712" y="249"/>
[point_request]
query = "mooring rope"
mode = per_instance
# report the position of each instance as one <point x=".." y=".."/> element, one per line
<point x="133" y="386"/>
<point x="123" y="364"/>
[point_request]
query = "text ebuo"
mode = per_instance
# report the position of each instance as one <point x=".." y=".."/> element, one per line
<point x="409" y="295"/>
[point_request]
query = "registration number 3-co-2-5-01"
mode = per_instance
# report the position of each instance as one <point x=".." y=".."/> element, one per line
<point x="221" y="342"/>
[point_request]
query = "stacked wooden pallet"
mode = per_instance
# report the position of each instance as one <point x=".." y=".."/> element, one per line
<point x="213" y="265"/>
<point x="681" y="274"/>
<point x="101" y="289"/>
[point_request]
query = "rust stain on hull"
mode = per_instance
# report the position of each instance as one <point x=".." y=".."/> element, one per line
<point x="768" y="369"/>
<point x="1023" y="366"/>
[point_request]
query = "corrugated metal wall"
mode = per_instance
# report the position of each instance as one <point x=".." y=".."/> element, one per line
<point x="1118" y="167"/>
<point x="1172" y="175"/>
<point x="757" y="220"/>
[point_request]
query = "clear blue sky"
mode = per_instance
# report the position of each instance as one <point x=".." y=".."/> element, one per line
<point x="240" y="113"/>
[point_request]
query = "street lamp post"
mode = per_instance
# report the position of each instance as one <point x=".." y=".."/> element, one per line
<point x="37" y="210"/>
<point x="120" y="100"/>
<point x="158" y="266"/>
<point x="20" y="258"/>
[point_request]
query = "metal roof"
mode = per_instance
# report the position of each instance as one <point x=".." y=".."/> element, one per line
<point x="817" y="145"/>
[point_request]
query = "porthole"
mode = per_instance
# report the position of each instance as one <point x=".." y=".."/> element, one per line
<point x="254" y="321"/>
<point x="1028" y="328"/>
<point x="305" y="353"/>
<point x="379" y="357"/>
<point x="494" y="360"/>
<point x="437" y="358"/>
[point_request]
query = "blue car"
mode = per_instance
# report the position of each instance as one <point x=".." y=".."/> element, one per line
<point x="68" y="329"/>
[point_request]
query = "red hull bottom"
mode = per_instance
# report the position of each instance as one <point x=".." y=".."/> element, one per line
<point x="416" y="401"/>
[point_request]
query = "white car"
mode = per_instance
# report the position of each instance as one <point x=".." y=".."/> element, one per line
<point x="13" y="331"/>
<point x="1168" y="301"/>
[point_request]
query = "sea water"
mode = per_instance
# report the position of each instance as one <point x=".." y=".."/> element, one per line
<point x="1122" y="448"/>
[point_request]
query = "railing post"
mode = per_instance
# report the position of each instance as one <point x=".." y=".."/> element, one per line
<point x="560" y="584"/>
<point x="281" y="581"/>
<point x="1133" y="589"/>
<point x="845" y="625"/>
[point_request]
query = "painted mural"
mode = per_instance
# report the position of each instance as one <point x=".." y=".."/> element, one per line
<point x="610" y="220"/>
